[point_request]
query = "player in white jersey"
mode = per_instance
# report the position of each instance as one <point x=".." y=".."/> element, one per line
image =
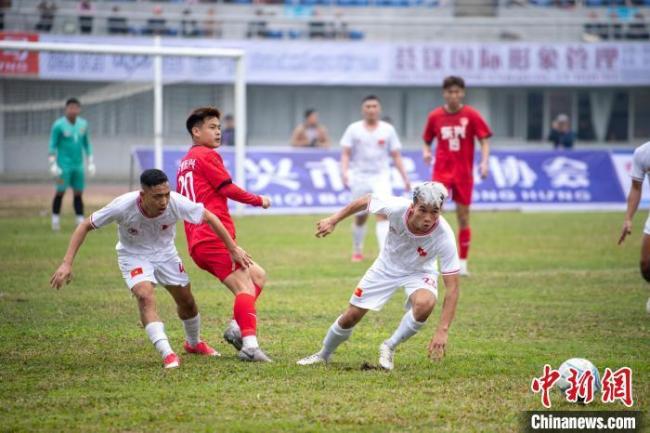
<point x="368" y="146"/>
<point x="640" y="167"/>
<point x="147" y="256"/>
<point x="418" y="236"/>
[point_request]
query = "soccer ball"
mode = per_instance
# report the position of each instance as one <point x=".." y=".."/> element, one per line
<point x="581" y="365"/>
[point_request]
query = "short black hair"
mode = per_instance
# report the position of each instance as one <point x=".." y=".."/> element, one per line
<point x="453" y="80"/>
<point x="72" y="101"/>
<point x="309" y="112"/>
<point x="198" y="116"/>
<point x="153" y="177"/>
<point x="370" y="98"/>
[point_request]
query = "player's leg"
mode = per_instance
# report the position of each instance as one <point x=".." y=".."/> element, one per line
<point x="62" y="183"/>
<point x="359" y="186"/>
<point x="463" y="198"/>
<point x="153" y="326"/>
<point x="422" y="293"/>
<point x="77" y="181"/>
<point x="337" y="334"/>
<point x="240" y="283"/>
<point x="372" y="293"/>
<point x="232" y="334"/>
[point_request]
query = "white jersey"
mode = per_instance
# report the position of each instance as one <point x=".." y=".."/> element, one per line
<point x="405" y="252"/>
<point x="641" y="162"/>
<point x="370" y="148"/>
<point x="144" y="237"/>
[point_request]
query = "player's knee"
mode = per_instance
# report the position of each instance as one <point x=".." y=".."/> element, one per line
<point x="259" y="276"/>
<point x="645" y="269"/>
<point x="144" y="295"/>
<point x="187" y="302"/>
<point x="422" y="307"/>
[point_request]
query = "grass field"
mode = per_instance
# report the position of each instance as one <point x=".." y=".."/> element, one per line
<point x="545" y="287"/>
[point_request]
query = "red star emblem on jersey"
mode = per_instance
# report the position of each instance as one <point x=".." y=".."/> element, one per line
<point x="422" y="252"/>
<point x="358" y="292"/>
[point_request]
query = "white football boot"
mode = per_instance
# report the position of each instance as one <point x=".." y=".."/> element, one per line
<point x="386" y="357"/>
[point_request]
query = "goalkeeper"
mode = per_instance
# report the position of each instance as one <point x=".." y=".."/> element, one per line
<point x="69" y="140"/>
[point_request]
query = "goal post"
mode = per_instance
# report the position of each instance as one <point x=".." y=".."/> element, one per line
<point x="158" y="51"/>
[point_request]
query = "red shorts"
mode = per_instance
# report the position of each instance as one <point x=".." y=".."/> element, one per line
<point x="460" y="191"/>
<point x="217" y="261"/>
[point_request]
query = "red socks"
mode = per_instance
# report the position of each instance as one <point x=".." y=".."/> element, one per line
<point x="258" y="291"/>
<point x="245" y="314"/>
<point x="464" y="239"/>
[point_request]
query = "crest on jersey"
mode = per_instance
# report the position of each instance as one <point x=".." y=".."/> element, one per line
<point x="132" y="231"/>
<point x="381" y="142"/>
<point x="422" y="252"/>
<point x="135" y="272"/>
<point x="358" y="292"/>
<point x="464" y="121"/>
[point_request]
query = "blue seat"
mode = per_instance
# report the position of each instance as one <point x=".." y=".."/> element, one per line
<point x="355" y="35"/>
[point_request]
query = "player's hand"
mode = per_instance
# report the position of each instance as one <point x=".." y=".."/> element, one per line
<point x="238" y="255"/>
<point x="627" y="230"/>
<point x="266" y="202"/>
<point x="345" y="177"/>
<point x="62" y="276"/>
<point x="426" y="155"/>
<point x="484" y="169"/>
<point x="438" y="345"/>
<point x="324" y="227"/>
<point x="92" y="169"/>
<point x="55" y="170"/>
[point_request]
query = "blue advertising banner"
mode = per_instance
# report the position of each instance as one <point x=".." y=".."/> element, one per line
<point x="309" y="181"/>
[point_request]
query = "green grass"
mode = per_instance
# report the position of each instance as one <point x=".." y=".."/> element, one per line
<point x="545" y="287"/>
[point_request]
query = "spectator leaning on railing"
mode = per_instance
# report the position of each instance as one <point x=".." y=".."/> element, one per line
<point x="561" y="134"/>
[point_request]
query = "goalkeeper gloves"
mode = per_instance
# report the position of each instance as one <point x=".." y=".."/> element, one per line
<point x="55" y="170"/>
<point x="91" y="166"/>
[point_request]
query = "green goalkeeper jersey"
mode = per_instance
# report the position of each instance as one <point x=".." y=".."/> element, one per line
<point x="68" y="142"/>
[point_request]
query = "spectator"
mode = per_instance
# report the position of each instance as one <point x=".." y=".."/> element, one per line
<point x="156" y="25"/>
<point x="47" y="11"/>
<point x="189" y="27"/>
<point x="310" y="133"/>
<point x="258" y="27"/>
<point x="5" y="5"/>
<point x="228" y="131"/>
<point x="561" y="134"/>
<point x="638" y="29"/>
<point x="210" y="27"/>
<point x="117" y="24"/>
<point x="86" y="10"/>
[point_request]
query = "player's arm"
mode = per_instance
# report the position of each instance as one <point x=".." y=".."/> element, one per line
<point x="233" y="192"/>
<point x="237" y="253"/>
<point x="427" y="138"/>
<point x="326" y="226"/>
<point x="64" y="273"/>
<point x="399" y="164"/>
<point x="484" y="166"/>
<point x="633" y="199"/>
<point x="88" y="148"/>
<point x="55" y="170"/>
<point x="323" y="137"/>
<point x="438" y="343"/>
<point x="345" y="165"/>
<point x="298" y="138"/>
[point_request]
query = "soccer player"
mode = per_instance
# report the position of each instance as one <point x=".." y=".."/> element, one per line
<point x="455" y="127"/>
<point x="418" y="235"/>
<point x="69" y="139"/>
<point x="640" y="166"/>
<point x="368" y="145"/>
<point x="147" y="256"/>
<point x="203" y="178"/>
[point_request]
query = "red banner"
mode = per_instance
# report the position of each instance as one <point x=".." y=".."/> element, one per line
<point x="16" y="62"/>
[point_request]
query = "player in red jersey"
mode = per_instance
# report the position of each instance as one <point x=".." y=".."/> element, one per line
<point x="455" y="127"/>
<point x="203" y="178"/>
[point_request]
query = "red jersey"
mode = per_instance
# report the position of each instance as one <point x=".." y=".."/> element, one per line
<point x="203" y="178"/>
<point x="455" y="134"/>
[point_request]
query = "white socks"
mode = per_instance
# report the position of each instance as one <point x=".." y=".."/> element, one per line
<point x="250" y="341"/>
<point x="358" y="235"/>
<point x="80" y="219"/>
<point x="382" y="233"/>
<point x="407" y="328"/>
<point x="192" y="330"/>
<point x="156" y="333"/>
<point x="335" y="336"/>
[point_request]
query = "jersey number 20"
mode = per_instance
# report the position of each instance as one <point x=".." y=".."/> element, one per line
<point x="187" y="185"/>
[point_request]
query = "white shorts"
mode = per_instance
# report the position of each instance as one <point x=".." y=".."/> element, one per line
<point x="168" y="273"/>
<point x="376" y="287"/>
<point x="377" y="184"/>
<point x="646" y="229"/>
